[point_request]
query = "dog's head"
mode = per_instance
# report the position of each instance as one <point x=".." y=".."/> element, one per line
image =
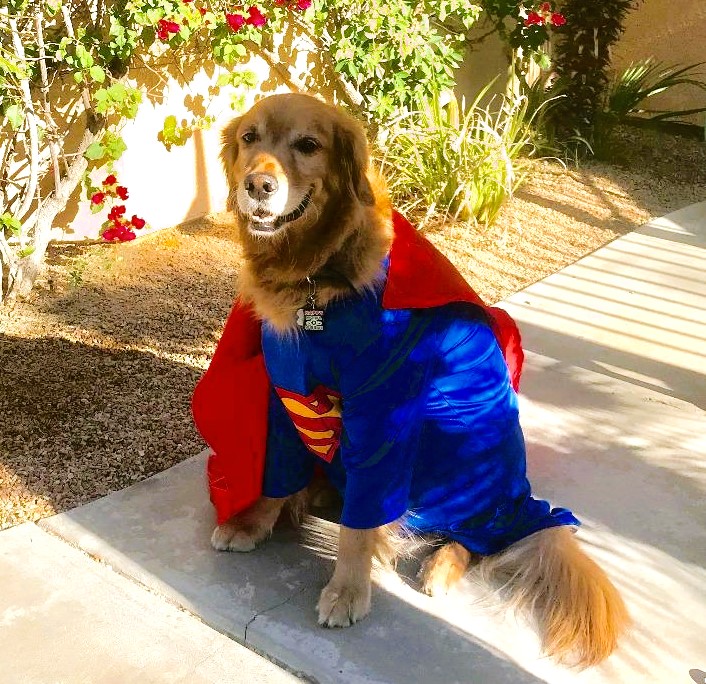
<point x="291" y="160"/>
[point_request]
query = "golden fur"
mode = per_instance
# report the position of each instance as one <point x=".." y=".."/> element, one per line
<point x="340" y="231"/>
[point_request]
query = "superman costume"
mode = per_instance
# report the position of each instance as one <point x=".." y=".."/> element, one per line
<point x="406" y="400"/>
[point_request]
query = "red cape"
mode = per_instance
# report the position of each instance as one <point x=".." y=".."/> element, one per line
<point x="230" y="403"/>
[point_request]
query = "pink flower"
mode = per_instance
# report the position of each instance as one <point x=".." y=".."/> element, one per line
<point x="110" y="180"/>
<point x="98" y="198"/>
<point x="303" y="4"/>
<point x="121" y="192"/>
<point x="256" y="18"/>
<point x="558" y="19"/>
<point x="137" y="222"/>
<point x="235" y="21"/>
<point x="534" y="19"/>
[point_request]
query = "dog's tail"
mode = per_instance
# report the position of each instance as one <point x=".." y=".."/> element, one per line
<point x="580" y="613"/>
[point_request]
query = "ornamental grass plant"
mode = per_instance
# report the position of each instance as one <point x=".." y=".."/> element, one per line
<point x="631" y="90"/>
<point x="629" y="96"/>
<point x="449" y="160"/>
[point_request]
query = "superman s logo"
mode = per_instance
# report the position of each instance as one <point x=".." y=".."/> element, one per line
<point x="317" y="418"/>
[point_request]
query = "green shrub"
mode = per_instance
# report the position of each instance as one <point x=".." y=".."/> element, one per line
<point x="449" y="160"/>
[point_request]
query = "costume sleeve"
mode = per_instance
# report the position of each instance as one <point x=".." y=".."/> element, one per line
<point x="383" y="398"/>
<point x="472" y="387"/>
<point x="289" y="465"/>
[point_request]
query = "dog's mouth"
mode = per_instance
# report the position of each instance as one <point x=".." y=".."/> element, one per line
<point x="262" y="221"/>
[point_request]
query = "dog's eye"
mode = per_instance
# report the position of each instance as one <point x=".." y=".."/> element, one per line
<point x="249" y="137"/>
<point x="307" y="145"/>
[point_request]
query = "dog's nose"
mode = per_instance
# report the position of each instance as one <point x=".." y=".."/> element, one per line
<point x="260" y="186"/>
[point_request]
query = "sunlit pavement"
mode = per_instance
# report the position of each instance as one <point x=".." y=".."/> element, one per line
<point x="613" y="404"/>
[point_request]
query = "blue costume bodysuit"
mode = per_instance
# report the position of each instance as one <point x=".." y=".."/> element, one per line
<point x="411" y="413"/>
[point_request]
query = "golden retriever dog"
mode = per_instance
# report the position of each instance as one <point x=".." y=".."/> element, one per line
<point x="316" y="228"/>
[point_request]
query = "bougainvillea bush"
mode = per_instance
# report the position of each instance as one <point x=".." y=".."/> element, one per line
<point x="379" y="57"/>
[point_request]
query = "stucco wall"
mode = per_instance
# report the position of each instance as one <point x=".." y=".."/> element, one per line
<point x="673" y="32"/>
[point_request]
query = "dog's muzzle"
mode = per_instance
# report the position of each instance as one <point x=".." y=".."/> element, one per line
<point x="269" y="224"/>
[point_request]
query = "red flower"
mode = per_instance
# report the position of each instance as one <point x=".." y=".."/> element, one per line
<point x="121" y="192"/>
<point x="98" y="197"/>
<point x="110" y="180"/>
<point x="202" y="10"/>
<point x="534" y="19"/>
<point x="303" y="4"/>
<point x="545" y="7"/>
<point x="235" y="21"/>
<point x="256" y="18"/>
<point x="127" y="235"/>
<point x="137" y="222"/>
<point x="558" y="19"/>
<point x="281" y="3"/>
<point x="165" y="27"/>
<point x="187" y="1"/>
<point x="110" y="234"/>
<point x="116" y="212"/>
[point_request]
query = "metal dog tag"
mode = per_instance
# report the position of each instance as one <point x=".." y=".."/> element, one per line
<point x="313" y="320"/>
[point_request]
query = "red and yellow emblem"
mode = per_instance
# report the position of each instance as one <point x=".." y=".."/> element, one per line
<point x="317" y="419"/>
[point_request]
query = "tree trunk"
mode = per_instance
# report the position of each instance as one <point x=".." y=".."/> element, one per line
<point x="30" y="267"/>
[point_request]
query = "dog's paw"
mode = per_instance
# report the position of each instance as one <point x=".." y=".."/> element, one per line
<point x="343" y="605"/>
<point x="442" y="569"/>
<point x="230" y="537"/>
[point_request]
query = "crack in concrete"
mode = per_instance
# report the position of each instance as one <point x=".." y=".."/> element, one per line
<point x="271" y="608"/>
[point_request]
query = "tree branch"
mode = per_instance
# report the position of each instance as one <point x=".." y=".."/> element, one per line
<point x="30" y="116"/>
<point x="44" y="90"/>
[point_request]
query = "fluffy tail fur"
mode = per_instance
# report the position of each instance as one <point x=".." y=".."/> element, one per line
<point x="579" y="612"/>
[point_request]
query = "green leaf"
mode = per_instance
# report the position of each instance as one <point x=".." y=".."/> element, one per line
<point x="52" y="7"/>
<point x="15" y="115"/>
<point x="97" y="73"/>
<point x="12" y="224"/>
<point x="170" y="124"/>
<point x="95" y="151"/>
<point x="26" y="251"/>
<point x="154" y="15"/>
<point x="10" y="67"/>
<point x="115" y="146"/>
<point x="78" y="76"/>
<point x="117" y="92"/>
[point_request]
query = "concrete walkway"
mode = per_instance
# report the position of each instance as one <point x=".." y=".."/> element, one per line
<point x="128" y="589"/>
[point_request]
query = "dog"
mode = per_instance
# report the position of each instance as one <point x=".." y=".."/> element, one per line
<point x="403" y="398"/>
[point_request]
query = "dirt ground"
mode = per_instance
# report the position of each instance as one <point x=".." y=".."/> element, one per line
<point x="98" y="365"/>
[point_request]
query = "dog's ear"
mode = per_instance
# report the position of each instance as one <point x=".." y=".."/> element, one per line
<point x="229" y="149"/>
<point x="351" y="150"/>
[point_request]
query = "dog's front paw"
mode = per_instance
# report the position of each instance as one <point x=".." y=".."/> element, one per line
<point x="340" y="605"/>
<point x="231" y="537"/>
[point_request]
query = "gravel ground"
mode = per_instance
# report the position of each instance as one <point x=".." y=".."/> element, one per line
<point x="98" y="365"/>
